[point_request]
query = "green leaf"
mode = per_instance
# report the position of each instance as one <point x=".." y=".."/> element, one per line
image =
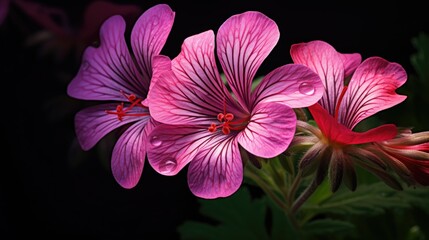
<point x="281" y="227"/>
<point x="238" y="216"/>
<point x="327" y="226"/>
<point x="420" y="59"/>
<point x="366" y="200"/>
<point x="191" y="230"/>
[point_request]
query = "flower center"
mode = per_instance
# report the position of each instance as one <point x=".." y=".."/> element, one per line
<point x="122" y="111"/>
<point x="227" y="124"/>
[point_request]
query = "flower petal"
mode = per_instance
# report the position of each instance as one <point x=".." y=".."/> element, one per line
<point x="243" y="43"/>
<point x="327" y="63"/>
<point x="217" y="170"/>
<point x="109" y="69"/>
<point x="93" y="123"/>
<point x="129" y="155"/>
<point x="170" y="147"/>
<point x="292" y="84"/>
<point x="371" y="89"/>
<point x="338" y="133"/>
<point x="189" y="91"/>
<point x="270" y="130"/>
<point x="350" y="61"/>
<point x="149" y="35"/>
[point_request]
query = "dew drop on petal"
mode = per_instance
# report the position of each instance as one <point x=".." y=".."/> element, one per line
<point x="155" y="21"/>
<point x="306" y="88"/>
<point x="155" y="141"/>
<point x="167" y="166"/>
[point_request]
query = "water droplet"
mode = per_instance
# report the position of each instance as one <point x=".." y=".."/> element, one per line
<point x="155" y="141"/>
<point x="155" y="21"/>
<point x="306" y="88"/>
<point x="167" y="166"/>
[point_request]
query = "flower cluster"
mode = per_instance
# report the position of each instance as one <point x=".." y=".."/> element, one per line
<point x="183" y="111"/>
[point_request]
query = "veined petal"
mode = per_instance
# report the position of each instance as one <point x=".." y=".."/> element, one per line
<point x="350" y="61"/>
<point x="217" y="170"/>
<point x="371" y="89"/>
<point x="196" y="66"/>
<point x="149" y="35"/>
<point x="243" y="42"/>
<point x="93" y="123"/>
<point x="180" y="100"/>
<point x="109" y="69"/>
<point x="327" y="63"/>
<point x="129" y="155"/>
<point x="339" y="133"/>
<point x="170" y="147"/>
<point x="293" y="84"/>
<point x="270" y="130"/>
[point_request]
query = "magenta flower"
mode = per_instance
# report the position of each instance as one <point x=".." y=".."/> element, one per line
<point x="111" y="73"/>
<point x="204" y="124"/>
<point x="370" y="89"/>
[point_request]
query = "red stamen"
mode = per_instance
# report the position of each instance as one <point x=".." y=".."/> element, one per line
<point x="220" y="117"/>
<point x="226" y="129"/>
<point x="121" y="111"/>
<point x="229" y="117"/>
<point x="337" y="107"/>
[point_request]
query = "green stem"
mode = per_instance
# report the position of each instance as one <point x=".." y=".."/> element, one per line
<point x="304" y="196"/>
<point x="264" y="186"/>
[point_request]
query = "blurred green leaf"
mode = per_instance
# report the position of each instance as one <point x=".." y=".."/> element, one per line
<point x="239" y="217"/>
<point x="281" y="227"/>
<point x="327" y="226"/>
<point x="366" y="200"/>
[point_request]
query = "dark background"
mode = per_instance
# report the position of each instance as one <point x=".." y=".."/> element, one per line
<point x="49" y="187"/>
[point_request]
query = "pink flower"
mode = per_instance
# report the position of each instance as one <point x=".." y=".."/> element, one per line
<point x="354" y="90"/>
<point x="204" y="124"/>
<point x="111" y="73"/>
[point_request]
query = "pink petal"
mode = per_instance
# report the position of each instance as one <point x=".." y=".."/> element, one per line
<point x="243" y="43"/>
<point x="371" y="89"/>
<point x="217" y="170"/>
<point x="93" y="123"/>
<point x="339" y="133"/>
<point x="170" y="147"/>
<point x="270" y="130"/>
<point x="350" y="61"/>
<point x="109" y="69"/>
<point x="4" y="10"/>
<point x="98" y="11"/>
<point x="328" y="63"/>
<point x="129" y="155"/>
<point x="191" y="93"/>
<point x="149" y="35"/>
<point x="293" y="84"/>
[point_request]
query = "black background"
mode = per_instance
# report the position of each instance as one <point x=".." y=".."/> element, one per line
<point x="45" y="191"/>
